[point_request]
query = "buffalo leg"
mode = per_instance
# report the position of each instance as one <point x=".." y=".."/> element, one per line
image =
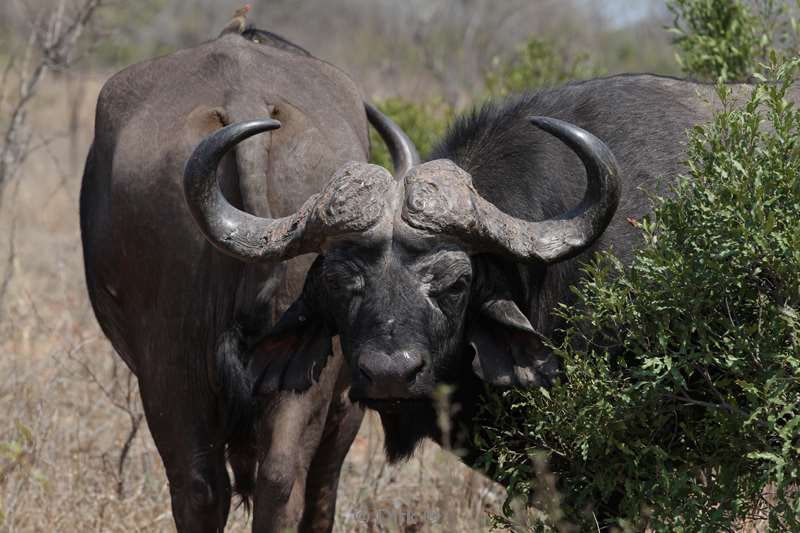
<point x="293" y="436"/>
<point x="344" y="420"/>
<point x="189" y="439"/>
<point x="290" y="433"/>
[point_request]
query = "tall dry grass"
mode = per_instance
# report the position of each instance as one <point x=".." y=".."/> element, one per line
<point x="68" y="405"/>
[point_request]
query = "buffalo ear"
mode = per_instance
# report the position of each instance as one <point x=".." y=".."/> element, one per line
<point x="293" y="354"/>
<point x="507" y="350"/>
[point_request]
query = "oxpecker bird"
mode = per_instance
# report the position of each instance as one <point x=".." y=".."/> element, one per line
<point x="238" y="23"/>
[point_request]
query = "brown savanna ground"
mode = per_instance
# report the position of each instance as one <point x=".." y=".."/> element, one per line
<point x="68" y="404"/>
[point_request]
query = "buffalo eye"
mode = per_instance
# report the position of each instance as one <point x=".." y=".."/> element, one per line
<point x="347" y="284"/>
<point x="458" y="286"/>
<point x="344" y="279"/>
<point x="449" y="294"/>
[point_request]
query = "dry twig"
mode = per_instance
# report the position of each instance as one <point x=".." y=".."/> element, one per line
<point x="52" y="45"/>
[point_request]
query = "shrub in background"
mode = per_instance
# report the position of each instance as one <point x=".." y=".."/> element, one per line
<point x="536" y="64"/>
<point x="681" y="397"/>
<point x="728" y="40"/>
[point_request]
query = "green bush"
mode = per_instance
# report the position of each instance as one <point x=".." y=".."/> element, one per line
<point x="424" y="123"/>
<point x="681" y="396"/>
<point x="730" y="39"/>
<point x="536" y="64"/>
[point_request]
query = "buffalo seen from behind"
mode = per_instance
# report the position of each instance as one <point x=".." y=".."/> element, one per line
<point x="180" y="313"/>
<point x="450" y="274"/>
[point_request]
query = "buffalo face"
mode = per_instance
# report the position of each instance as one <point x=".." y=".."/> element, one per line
<point x="410" y="319"/>
<point x="400" y="314"/>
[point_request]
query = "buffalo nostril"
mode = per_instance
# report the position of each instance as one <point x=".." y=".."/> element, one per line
<point x="412" y="374"/>
<point x="413" y="365"/>
<point x="390" y="369"/>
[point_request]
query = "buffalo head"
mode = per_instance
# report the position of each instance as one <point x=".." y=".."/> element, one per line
<point x="405" y="274"/>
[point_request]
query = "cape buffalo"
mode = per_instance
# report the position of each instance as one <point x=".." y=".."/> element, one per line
<point x="181" y="314"/>
<point x="450" y="273"/>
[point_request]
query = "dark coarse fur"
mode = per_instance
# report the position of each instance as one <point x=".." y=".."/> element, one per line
<point x="240" y="410"/>
<point x="530" y="175"/>
<point x="408" y="426"/>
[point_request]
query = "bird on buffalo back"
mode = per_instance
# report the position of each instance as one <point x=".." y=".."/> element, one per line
<point x="238" y="23"/>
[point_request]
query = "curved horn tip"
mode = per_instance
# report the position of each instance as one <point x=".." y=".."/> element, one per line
<point x="539" y="119"/>
<point x="558" y="127"/>
<point x="561" y="129"/>
<point x="223" y="139"/>
<point x="401" y="147"/>
<point x="270" y="123"/>
<point x="541" y="122"/>
<point x="211" y="149"/>
<point x="254" y="127"/>
<point x="570" y="134"/>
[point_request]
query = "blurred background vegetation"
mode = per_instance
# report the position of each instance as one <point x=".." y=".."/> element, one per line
<point x="412" y="49"/>
<point x="419" y="60"/>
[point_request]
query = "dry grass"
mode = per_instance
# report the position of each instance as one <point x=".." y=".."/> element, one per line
<point x="68" y="404"/>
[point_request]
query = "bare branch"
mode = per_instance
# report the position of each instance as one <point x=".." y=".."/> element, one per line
<point x="135" y="418"/>
<point x="11" y="257"/>
<point x="54" y="40"/>
<point x="4" y="83"/>
<point x="121" y="396"/>
<point x="8" y="273"/>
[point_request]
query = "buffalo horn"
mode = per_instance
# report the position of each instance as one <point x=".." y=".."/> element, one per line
<point x="560" y="238"/>
<point x="401" y="148"/>
<point x="232" y="231"/>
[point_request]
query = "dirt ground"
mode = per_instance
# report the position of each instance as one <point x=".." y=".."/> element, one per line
<point x="68" y="406"/>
